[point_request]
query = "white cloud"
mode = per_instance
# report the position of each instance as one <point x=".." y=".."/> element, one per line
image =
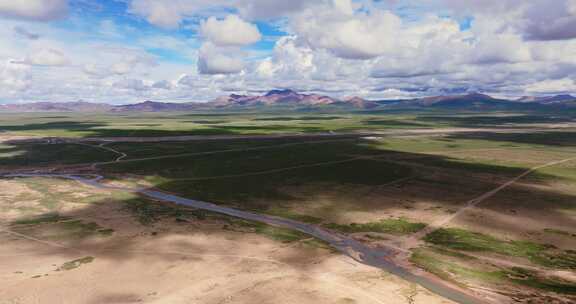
<point x="551" y="20"/>
<point x="162" y="84"/>
<point x="269" y="9"/>
<point x="37" y="10"/>
<point x="500" y="48"/>
<point x="535" y="19"/>
<point x="355" y="36"/>
<point x="121" y="68"/>
<point x="47" y="57"/>
<point x="14" y="76"/>
<point x="565" y="85"/>
<point x="289" y="60"/>
<point x="230" y="31"/>
<point x="186" y="80"/>
<point x="96" y="71"/>
<point x="131" y="84"/>
<point x="159" y="13"/>
<point x="170" y="13"/>
<point x="212" y="61"/>
<point x="131" y="61"/>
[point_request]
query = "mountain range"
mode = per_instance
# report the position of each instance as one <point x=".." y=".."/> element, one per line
<point x="293" y="100"/>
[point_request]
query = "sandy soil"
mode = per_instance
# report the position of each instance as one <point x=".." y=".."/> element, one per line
<point x="195" y="262"/>
<point x="200" y="268"/>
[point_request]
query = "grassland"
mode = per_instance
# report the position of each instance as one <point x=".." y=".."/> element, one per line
<point x="541" y="254"/>
<point x="54" y="226"/>
<point x="166" y="124"/>
<point x="463" y="270"/>
<point x="392" y="226"/>
<point x="393" y="184"/>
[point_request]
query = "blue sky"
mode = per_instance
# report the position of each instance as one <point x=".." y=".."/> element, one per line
<point x="194" y="50"/>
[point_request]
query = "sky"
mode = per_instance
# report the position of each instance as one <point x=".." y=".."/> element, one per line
<point x="125" y="51"/>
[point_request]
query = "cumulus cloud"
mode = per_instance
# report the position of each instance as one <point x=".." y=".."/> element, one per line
<point x="500" y="48"/>
<point x="170" y="13"/>
<point x="213" y="61"/>
<point x="121" y="68"/>
<point x="269" y="9"/>
<point x="47" y="57"/>
<point x="159" y="13"/>
<point x="535" y="19"/>
<point x="556" y="86"/>
<point x="551" y="20"/>
<point x="36" y="10"/>
<point x="130" y="62"/>
<point x="162" y="84"/>
<point x="186" y="80"/>
<point x="367" y="33"/>
<point x="131" y="84"/>
<point x="348" y="35"/>
<point x="230" y="31"/>
<point x="96" y="71"/>
<point x="289" y="60"/>
<point x="14" y="76"/>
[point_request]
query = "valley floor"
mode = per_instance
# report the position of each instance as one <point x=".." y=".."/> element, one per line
<point x="488" y="209"/>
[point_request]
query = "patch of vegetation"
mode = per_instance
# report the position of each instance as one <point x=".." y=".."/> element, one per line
<point x="42" y="219"/>
<point x="393" y="225"/>
<point x="393" y="123"/>
<point x="45" y="154"/>
<point x="75" y="263"/>
<point x="55" y="226"/>
<point x="451" y="253"/>
<point x="549" y="138"/>
<point x="559" y="232"/>
<point x="225" y="178"/>
<point x="448" y="270"/>
<point x="80" y="229"/>
<point x="290" y="118"/>
<point x="434" y="262"/>
<point x="525" y="277"/>
<point x="279" y="234"/>
<point x="148" y="212"/>
<point x="496" y="120"/>
<point x="286" y="213"/>
<point x="209" y="122"/>
<point x="106" y="232"/>
<point x="460" y="239"/>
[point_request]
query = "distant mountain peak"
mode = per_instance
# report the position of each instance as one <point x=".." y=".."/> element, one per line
<point x="478" y="95"/>
<point x="291" y="99"/>
<point x="281" y="92"/>
<point x="564" y="96"/>
<point x="548" y="99"/>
